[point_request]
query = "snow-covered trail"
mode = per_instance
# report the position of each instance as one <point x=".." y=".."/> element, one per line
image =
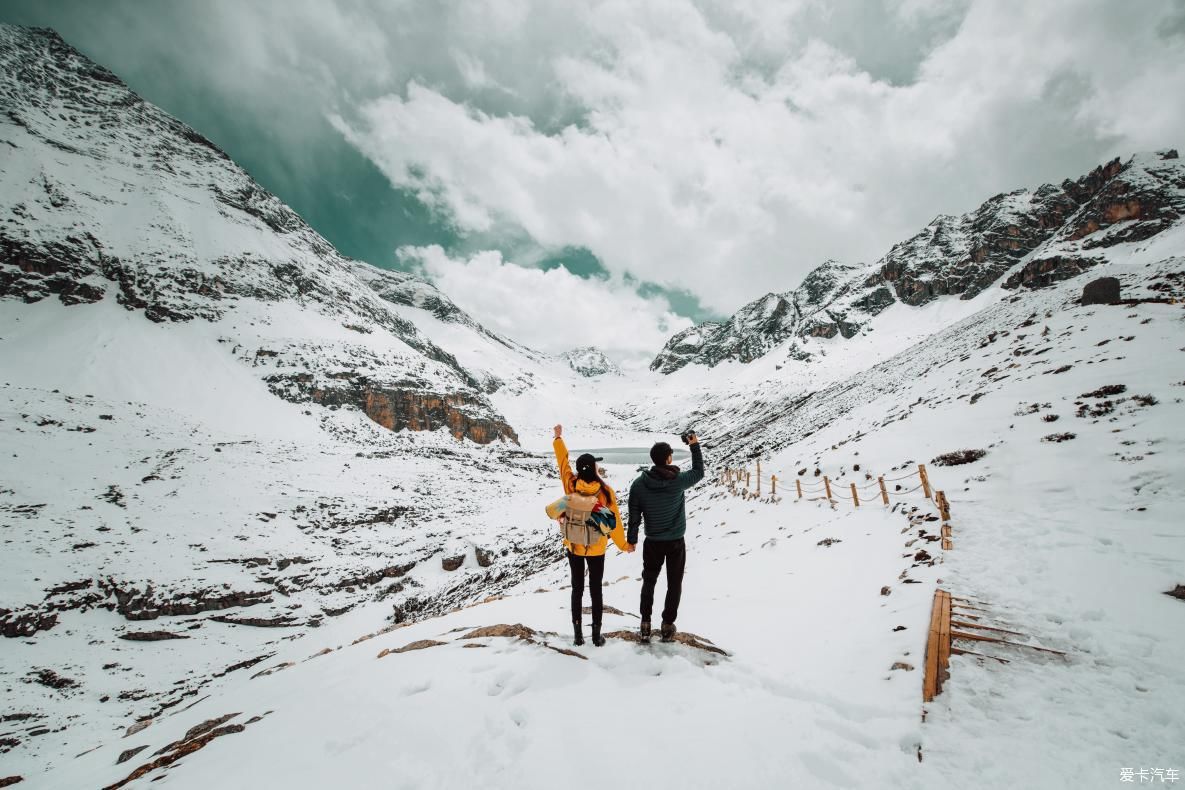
<point x="805" y="695"/>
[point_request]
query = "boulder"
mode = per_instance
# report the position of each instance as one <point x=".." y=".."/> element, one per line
<point x="1104" y="290"/>
<point x="150" y="636"/>
<point x="419" y="644"/>
<point x="502" y="629"/>
<point x="452" y="563"/>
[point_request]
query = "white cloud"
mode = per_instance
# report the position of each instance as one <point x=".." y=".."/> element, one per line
<point x="702" y="163"/>
<point x="551" y="310"/>
<point x="724" y="147"/>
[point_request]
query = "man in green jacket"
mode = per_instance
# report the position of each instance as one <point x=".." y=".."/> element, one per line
<point x="657" y="501"/>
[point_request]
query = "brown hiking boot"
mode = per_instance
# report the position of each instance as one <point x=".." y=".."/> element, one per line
<point x="644" y="632"/>
<point x="668" y="632"/>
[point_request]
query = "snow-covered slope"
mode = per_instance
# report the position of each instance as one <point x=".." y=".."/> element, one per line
<point x="1068" y="529"/>
<point x="1066" y="532"/>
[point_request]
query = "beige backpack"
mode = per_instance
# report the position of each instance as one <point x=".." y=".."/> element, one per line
<point x="577" y="525"/>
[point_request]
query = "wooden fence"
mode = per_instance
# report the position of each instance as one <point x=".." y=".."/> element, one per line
<point x="750" y="483"/>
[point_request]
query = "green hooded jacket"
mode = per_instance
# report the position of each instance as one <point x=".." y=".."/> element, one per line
<point x="657" y="501"/>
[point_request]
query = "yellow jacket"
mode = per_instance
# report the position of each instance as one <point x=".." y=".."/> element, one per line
<point x="605" y="495"/>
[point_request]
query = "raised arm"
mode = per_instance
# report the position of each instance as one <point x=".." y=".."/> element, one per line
<point x="567" y="476"/>
<point x="696" y="472"/>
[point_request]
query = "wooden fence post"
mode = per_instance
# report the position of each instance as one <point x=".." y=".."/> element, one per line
<point x="827" y="486"/>
<point x="943" y="505"/>
<point x="748" y="480"/>
<point x="758" y="477"/>
<point x="798" y="485"/>
<point x="925" y="480"/>
<point x="773" y="485"/>
<point x="855" y="496"/>
<point x="884" y="491"/>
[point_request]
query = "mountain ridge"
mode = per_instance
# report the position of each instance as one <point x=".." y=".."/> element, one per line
<point x="109" y="197"/>
<point x="1053" y="231"/>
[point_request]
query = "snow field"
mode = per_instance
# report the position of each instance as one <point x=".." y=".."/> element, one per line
<point x="806" y="690"/>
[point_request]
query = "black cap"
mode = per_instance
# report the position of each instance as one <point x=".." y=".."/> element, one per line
<point x="587" y="461"/>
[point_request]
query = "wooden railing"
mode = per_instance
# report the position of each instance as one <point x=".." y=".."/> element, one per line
<point x="749" y="483"/>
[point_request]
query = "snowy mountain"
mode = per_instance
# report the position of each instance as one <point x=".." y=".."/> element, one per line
<point x="1056" y="230"/>
<point x="590" y="362"/>
<point x="106" y="197"/>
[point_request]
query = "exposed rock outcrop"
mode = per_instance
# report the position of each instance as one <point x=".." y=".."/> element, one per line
<point x="148" y="605"/>
<point x="151" y="636"/>
<point x="23" y="624"/>
<point x="401" y="406"/>
<point x="590" y="361"/>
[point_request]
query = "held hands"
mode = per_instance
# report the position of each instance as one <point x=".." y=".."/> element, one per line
<point x="559" y="431"/>
<point x="629" y="548"/>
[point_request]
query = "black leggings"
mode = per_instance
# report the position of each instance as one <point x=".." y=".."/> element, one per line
<point x="596" y="572"/>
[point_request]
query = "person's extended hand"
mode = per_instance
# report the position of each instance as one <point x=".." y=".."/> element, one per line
<point x="693" y="439"/>
<point x="629" y="548"/>
<point x="559" y="431"/>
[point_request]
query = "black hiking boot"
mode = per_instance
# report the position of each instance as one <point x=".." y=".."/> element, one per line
<point x="644" y="632"/>
<point x="598" y="640"/>
<point x="578" y="634"/>
<point x="668" y="632"/>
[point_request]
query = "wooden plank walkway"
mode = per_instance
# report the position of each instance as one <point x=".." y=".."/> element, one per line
<point x="952" y="620"/>
<point x="937" y="646"/>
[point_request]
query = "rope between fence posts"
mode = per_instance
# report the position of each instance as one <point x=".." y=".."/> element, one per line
<point x="895" y="479"/>
<point x="903" y="493"/>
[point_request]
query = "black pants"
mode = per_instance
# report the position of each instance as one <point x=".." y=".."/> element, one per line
<point x="654" y="554"/>
<point x="596" y="572"/>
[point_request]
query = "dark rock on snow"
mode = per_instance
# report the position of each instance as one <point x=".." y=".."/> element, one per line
<point x="1104" y="290"/>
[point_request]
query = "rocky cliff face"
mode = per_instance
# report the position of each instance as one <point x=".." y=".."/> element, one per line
<point x="1023" y="238"/>
<point x="768" y="322"/>
<point x="107" y="198"/>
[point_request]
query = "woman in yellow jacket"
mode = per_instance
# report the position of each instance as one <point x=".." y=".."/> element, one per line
<point x="586" y="481"/>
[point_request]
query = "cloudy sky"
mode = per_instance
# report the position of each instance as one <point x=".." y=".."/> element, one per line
<point x="666" y="160"/>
